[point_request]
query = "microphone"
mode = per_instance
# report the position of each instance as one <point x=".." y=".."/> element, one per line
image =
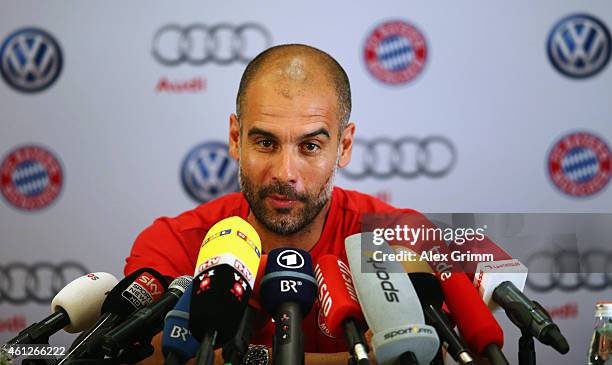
<point x="506" y="277"/>
<point x="339" y="309"/>
<point x="288" y="291"/>
<point x="178" y="345"/>
<point x="234" y="350"/>
<point x="135" y="291"/>
<point x="529" y="316"/>
<point x="75" y="308"/>
<point x="487" y="275"/>
<point x="430" y="293"/>
<point x="145" y="321"/>
<point x="223" y="281"/>
<point x="475" y="322"/>
<point x="391" y="307"/>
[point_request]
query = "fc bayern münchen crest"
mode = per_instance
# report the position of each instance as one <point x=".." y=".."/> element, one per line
<point x="579" y="46"/>
<point x="579" y="164"/>
<point x="395" y="52"/>
<point x="31" y="177"/>
<point x="30" y="60"/>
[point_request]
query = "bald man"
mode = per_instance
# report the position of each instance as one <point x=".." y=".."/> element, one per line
<point x="290" y="133"/>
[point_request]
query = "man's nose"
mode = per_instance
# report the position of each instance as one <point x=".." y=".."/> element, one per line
<point x="283" y="167"/>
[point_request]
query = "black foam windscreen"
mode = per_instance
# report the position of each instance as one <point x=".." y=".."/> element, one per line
<point x="218" y="299"/>
<point x="289" y="278"/>
<point x="428" y="289"/>
<point x="135" y="291"/>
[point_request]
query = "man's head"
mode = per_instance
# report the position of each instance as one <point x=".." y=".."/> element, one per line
<point x="290" y="133"/>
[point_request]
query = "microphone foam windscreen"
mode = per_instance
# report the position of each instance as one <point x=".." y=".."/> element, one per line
<point x="226" y="271"/>
<point x="135" y="291"/>
<point x="337" y="297"/>
<point x="385" y="293"/>
<point x="231" y="241"/>
<point x="289" y="277"/>
<point x="390" y="305"/>
<point x="176" y="337"/>
<point x="475" y="322"/>
<point x="428" y="289"/>
<point x="82" y="299"/>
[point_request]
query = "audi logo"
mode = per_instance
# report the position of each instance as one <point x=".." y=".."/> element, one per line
<point x="570" y="270"/>
<point x="39" y="282"/>
<point x="406" y="157"/>
<point x="199" y="44"/>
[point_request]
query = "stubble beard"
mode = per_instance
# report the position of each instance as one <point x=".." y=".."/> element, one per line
<point x="286" y="221"/>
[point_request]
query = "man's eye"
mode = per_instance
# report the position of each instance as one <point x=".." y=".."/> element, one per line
<point x="310" y="147"/>
<point x="265" y="143"/>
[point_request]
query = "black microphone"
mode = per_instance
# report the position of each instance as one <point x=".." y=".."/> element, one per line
<point x="224" y="277"/>
<point x="135" y="291"/>
<point x="430" y="295"/>
<point x="146" y="321"/>
<point x="529" y="316"/>
<point x="288" y="290"/>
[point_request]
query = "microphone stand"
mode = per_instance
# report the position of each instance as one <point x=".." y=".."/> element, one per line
<point x="526" y="353"/>
<point x="206" y="354"/>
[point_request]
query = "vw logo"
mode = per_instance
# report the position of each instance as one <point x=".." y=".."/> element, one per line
<point x="290" y="259"/>
<point x="39" y="282"/>
<point x="570" y="270"/>
<point x="199" y="44"/>
<point x="579" y="46"/>
<point x="395" y="52"/>
<point x="209" y="172"/>
<point x="30" y="60"/>
<point x="406" y="157"/>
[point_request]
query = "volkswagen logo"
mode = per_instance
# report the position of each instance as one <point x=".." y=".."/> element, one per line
<point x="199" y="44"/>
<point x="30" y="60"/>
<point x="579" y="46"/>
<point x="570" y="270"/>
<point x="290" y="259"/>
<point x="406" y="157"/>
<point x="209" y="172"/>
<point x="21" y="283"/>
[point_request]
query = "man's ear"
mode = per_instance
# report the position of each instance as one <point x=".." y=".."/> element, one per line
<point x="346" y="145"/>
<point x="234" y="137"/>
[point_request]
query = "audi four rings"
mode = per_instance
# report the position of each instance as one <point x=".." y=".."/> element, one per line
<point x="406" y="157"/>
<point x="570" y="270"/>
<point x="38" y="282"/>
<point x="198" y="44"/>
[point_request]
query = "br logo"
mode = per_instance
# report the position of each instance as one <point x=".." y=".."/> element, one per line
<point x="179" y="332"/>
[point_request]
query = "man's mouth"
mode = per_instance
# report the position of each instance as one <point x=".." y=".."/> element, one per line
<point x="281" y="201"/>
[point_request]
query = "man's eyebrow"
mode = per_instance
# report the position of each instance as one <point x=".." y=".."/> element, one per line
<point x="261" y="132"/>
<point x="255" y="131"/>
<point x="321" y="130"/>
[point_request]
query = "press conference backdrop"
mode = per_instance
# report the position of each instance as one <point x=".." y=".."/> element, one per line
<point x="115" y="113"/>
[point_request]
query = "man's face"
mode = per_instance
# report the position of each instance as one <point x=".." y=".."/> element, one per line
<point x="288" y="149"/>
